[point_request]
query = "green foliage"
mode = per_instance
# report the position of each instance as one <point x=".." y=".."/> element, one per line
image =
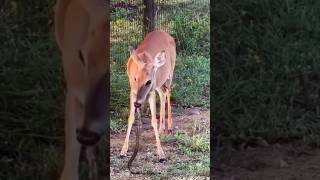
<point x="199" y="141"/>
<point x="201" y="168"/>
<point x="261" y="48"/>
<point x="147" y="168"/>
<point x="192" y="34"/>
<point x="116" y="125"/>
<point x="191" y="81"/>
<point x="193" y="170"/>
<point x="31" y="93"/>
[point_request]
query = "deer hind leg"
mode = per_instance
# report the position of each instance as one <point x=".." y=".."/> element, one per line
<point x="72" y="146"/>
<point x="169" y="119"/>
<point x="124" y="149"/>
<point x="152" y="103"/>
<point x="162" y="120"/>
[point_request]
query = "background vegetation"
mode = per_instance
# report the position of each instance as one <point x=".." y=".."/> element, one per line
<point x="266" y="71"/>
<point x="31" y="92"/>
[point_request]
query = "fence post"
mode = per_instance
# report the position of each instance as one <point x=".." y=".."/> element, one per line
<point x="149" y="16"/>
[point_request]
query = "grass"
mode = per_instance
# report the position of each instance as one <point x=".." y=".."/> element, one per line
<point x="195" y="146"/>
<point x="187" y="152"/>
<point x="31" y="96"/>
<point x="189" y="143"/>
<point x="262" y="51"/>
<point x="31" y="93"/>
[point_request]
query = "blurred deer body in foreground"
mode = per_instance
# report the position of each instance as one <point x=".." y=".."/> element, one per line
<point x="81" y="30"/>
<point x="150" y="68"/>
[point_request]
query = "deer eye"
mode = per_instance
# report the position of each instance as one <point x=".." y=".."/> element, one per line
<point x="81" y="57"/>
<point x="148" y="83"/>
<point x="135" y="79"/>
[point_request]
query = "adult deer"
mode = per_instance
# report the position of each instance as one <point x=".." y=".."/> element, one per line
<point x="150" y="67"/>
<point x="82" y="33"/>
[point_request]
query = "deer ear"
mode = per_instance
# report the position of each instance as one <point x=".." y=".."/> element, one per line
<point x="138" y="58"/>
<point x="141" y="56"/>
<point x="160" y="59"/>
<point x="131" y="50"/>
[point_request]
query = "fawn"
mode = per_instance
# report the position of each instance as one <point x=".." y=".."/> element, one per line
<point x="150" y="67"/>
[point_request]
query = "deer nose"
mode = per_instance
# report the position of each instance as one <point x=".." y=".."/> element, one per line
<point x="137" y="105"/>
<point x="87" y="137"/>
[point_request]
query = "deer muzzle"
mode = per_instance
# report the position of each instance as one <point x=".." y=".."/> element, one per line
<point x="95" y="117"/>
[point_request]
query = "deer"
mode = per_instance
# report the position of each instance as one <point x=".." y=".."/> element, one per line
<point x="81" y="30"/>
<point x="150" y="68"/>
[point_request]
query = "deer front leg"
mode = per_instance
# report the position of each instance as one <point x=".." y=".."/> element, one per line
<point x="124" y="149"/>
<point x="72" y="146"/>
<point x="162" y="120"/>
<point x="152" y="103"/>
<point x="169" y="119"/>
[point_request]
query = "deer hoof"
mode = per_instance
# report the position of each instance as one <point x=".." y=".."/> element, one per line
<point x="123" y="154"/>
<point x="162" y="160"/>
<point x="124" y="150"/>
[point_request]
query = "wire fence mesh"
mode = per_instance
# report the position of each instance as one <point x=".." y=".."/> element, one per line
<point x="127" y="21"/>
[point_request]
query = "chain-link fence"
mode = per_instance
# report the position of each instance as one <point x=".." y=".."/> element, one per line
<point x="127" y="22"/>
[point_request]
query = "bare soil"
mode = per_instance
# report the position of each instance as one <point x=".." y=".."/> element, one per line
<point x="262" y="162"/>
<point x="271" y="162"/>
<point x="176" y="166"/>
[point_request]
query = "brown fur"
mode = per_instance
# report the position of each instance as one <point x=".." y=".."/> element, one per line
<point x="152" y="62"/>
<point x="81" y="32"/>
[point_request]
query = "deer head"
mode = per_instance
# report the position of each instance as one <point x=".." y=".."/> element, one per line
<point x="142" y="74"/>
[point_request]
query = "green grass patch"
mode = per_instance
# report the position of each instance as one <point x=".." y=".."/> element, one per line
<point x="31" y="93"/>
<point x="187" y="152"/>
<point x="199" y="167"/>
<point x="191" y="81"/>
<point x="198" y="141"/>
<point x="261" y="50"/>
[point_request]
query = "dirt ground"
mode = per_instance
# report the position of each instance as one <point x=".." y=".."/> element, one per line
<point x="271" y="162"/>
<point x="261" y="162"/>
<point x="178" y="164"/>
